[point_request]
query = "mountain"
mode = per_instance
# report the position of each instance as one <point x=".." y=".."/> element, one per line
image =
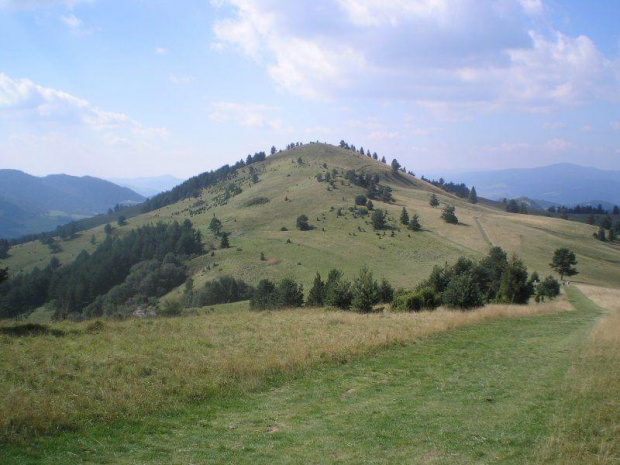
<point x="30" y="204"/>
<point x="258" y="205"/>
<point x="562" y="183"/>
<point x="148" y="186"/>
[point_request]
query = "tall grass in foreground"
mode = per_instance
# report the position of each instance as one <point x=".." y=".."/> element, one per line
<point x="122" y="370"/>
<point x="588" y="423"/>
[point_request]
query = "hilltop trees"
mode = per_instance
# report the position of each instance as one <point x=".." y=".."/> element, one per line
<point x="448" y="215"/>
<point x="395" y="166"/>
<point x="563" y="262"/>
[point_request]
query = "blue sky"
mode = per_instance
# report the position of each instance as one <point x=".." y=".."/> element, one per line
<point x="148" y="87"/>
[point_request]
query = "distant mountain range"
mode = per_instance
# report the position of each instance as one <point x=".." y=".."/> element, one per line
<point x="148" y="187"/>
<point x="563" y="183"/>
<point x="30" y="204"/>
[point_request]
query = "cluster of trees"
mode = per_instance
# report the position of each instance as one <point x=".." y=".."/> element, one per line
<point x="374" y="190"/>
<point x="460" y="190"/>
<point x="345" y="145"/>
<point x="216" y="228"/>
<point x="468" y="284"/>
<point x="412" y="223"/>
<point x="512" y="206"/>
<point x="223" y="290"/>
<point x="361" y="294"/>
<point x="71" y="288"/>
<point x="584" y="210"/>
<point x="608" y="230"/>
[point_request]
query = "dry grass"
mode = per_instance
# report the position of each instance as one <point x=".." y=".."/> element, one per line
<point x="588" y="425"/>
<point x="127" y="369"/>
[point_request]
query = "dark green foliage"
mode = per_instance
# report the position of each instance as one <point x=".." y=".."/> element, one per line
<point x="254" y="178"/>
<point x="414" y="223"/>
<point x="360" y="199"/>
<point x="523" y="208"/>
<point x="107" y="229"/>
<point x="547" y="288"/>
<point x="302" y="223"/>
<point x="338" y="290"/>
<point x="404" y="217"/>
<point x="317" y="294"/>
<point x="563" y="262"/>
<point x="515" y="288"/>
<point x="590" y="219"/>
<point x="513" y="207"/>
<point x="600" y="235"/>
<point x="490" y="270"/>
<point x="463" y="292"/>
<point x="54" y="247"/>
<point x="473" y="195"/>
<point x="264" y="296"/>
<point x="365" y="291"/>
<point x="395" y="166"/>
<point x="370" y="206"/>
<point x="215" y="226"/>
<point x="4" y="274"/>
<point x="448" y="215"/>
<point x="289" y="294"/>
<point x="76" y="285"/>
<point x="4" y="248"/>
<point x="613" y="235"/>
<point x="24" y="292"/>
<point x="146" y="280"/>
<point x="386" y="292"/>
<point x="433" y="201"/>
<point x="170" y="308"/>
<point x="257" y="201"/>
<point x="225" y="289"/>
<point x="224" y="242"/>
<point x="378" y="219"/>
<point x="122" y="220"/>
<point x="421" y="299"/>
<point x="606" y="222"/>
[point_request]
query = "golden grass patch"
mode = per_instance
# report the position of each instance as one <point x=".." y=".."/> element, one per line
<point x="126" y="369"/>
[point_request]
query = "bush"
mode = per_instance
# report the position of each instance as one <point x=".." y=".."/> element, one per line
<point x="421" y="299"/>
<point x="463" y="292"/>
<point x="378" y="219"/>
<point x="257" y="201"/>
<point x="171" y="308"/>
<point x="302" y="223"/>
<point x="360" y="200"/>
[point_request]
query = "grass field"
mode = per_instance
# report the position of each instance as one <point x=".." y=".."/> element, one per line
<point x="496" y="391"/>
<point x="349" y="242"/>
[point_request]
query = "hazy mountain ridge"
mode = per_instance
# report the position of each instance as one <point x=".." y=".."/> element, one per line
<point x="148" y="186"/>
<point x="562" y="183"/>
<point x="32" y="204"/>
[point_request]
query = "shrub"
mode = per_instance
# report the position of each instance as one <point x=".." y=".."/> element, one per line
<point x="463" y="292"/>
<point x="421" y="299"/>
<point x="302" y="223"/>
<point x="171" y="308"/>
<point x="257" y="201"/>
<point x="448" y="215"/>
<point x="360" y="199"/>
<point x="378" y="219"/>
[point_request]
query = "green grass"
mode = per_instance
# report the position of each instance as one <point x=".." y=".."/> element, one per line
<point x="481" y="394"/>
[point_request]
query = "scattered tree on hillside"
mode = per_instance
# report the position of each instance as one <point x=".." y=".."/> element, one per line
<point x="404" y="217"/>
<point x="370" y="206"/>
<point x="473" y="195"/>
<point x="264" y="296"/>
<point x="523" y="208"/>
<point x="433" y="201"/>
<point x="215" y="226"/>
<point x="547" y="288"/>
<point x="378" y="219"/>
<point x="395" y="166"/>
<point x="289" y="294"/>
<point x="414" y="223"/>
<point x="563" y="262"/>
<point x="302" y="223"/>
<point x="224" y="242"/>
<point x="515" y="288"/>
<point x="107" y="229"/>
<point x="360" y="199"/>
<point x="448" y="214"/>
<point x="600" y="235"/>
<point x="606" y="222"/>
<point x="122" y="220"/>
<point x="591" y="219"/>
<point x="273" y="150"/>
<point x="383" y="160"/>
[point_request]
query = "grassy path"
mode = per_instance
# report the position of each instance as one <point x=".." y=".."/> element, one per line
<point x="483" y="394"/>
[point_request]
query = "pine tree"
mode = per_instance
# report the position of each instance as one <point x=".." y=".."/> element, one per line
<point x="365" y="291"/>
<point x="433" y="201"/>
<point x="473" y="196"/>
<point x="224" y="243"/>
<point x="448" y="215"/>
<point x="395" y="166"/>
<point x="302" y="223"/>
<point x="316" y="297"/>
<point x="404" y="217"/>
<point x="215" y="226"/>
<point x="414" y="223"/>
<point x="601" y="234"/>
<point x="378" y="219"/>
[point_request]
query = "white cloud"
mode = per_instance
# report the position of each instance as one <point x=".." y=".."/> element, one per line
<point x="21" y="100"/>
<point x="161" y="50"/>
<point x="75" y="25"/>
<point x="181" y="80"/>
<point x="454" y="57"/>
<point x="249" y="115"/>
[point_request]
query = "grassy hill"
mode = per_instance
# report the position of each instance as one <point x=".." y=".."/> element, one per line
<point x="347" y="242"/>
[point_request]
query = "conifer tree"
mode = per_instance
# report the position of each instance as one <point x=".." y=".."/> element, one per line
<point x="473" y="195"/>
<point x="414" y="223"/>
<point x="404" y="217"/>
<point x="563" y="262"/>
<point x="448" y="215"/>
<point x="433" y="201"/>
<point x="316" y="297"/>
<point x="215" y="226"/>
<point x="224" y="243"/>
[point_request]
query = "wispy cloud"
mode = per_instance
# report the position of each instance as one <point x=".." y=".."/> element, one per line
<point x="249" y="115"/>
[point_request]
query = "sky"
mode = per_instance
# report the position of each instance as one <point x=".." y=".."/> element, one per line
<point x="137" y="88"/>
